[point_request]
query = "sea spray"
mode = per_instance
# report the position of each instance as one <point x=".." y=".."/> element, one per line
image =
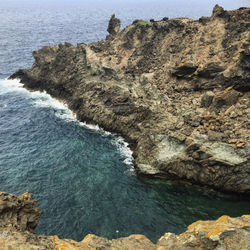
<point x="43" y="99"/>
<point x="80" y="180"/>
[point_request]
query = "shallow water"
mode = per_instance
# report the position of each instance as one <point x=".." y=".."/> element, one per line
<point x="82" y="176"/>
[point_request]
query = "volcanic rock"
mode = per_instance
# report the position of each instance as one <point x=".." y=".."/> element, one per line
<point x="114" y="25"/>
<point x="150" y="80"/>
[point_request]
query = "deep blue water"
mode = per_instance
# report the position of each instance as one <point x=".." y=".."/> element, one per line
<point x="83" y="177"/>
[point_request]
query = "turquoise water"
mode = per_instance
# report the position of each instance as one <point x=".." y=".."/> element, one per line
<point x="82" y="176"/>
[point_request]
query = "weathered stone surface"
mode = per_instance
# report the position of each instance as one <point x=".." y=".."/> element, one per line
<point x="225" y="233"/>
<point x="184" y="69"/>
<point x="149" y="81"/>
<point x="227" y="97"/>
<point x="210" y="70"/>
<point x="18" y="212"/>
<point x="114" y="25"/>
<point x="19" y="217"/>
<point x="218" y="11"/>
<point x="206" y="99"/>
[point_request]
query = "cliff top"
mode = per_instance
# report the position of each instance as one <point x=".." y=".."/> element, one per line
<point x="19" y="217"/>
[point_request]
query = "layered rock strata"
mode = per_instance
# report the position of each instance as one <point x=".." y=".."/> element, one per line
<point x="19" y="217"/>
<point x="176" y="89"/>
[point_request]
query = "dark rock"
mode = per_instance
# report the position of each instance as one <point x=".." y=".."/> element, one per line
<point x="206" y="99"/>
<point x="245" y="56"/>
<point x="114" y="25"/>
<point x="211" y="70"/>
<point x="184" y="69"/>
<point x="227" y="97"/>
<point x="204" y="20"/>
<point x="218" y="11"/>
<point x="135" y="21"/>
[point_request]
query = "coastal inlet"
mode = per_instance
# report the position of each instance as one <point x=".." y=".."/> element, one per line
<point x="183" y="108"/>
<point x="83" y="177"/>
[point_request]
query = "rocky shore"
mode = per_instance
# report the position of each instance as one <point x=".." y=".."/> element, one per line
<point x="176" y="89"/>
<point x="19" y="217"/>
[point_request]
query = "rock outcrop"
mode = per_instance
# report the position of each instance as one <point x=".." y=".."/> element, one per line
<point x="19" y="217"/>
<point x="114" y="25"/>
<point x="176" y="89"/>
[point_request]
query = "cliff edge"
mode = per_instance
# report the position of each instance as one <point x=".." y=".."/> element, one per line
<point x="19" y="217"/>
<point x="176" y="89"/>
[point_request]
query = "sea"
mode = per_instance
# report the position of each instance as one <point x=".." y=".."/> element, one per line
<point x="83" y="177"/>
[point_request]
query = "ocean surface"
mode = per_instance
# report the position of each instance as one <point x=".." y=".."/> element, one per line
<point x="82" y="176"/>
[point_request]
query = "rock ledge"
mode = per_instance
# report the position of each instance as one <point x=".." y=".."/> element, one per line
<point x="19" y="217"/>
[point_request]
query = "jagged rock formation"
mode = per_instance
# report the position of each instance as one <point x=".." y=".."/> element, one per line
<point x="114" y="25"/>
<point x="177" y="90"/>
<point x="19" y="217"/>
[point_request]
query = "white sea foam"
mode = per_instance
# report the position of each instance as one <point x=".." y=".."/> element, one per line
<point x="10" y="86"/>
<point x="125" y="151"/>
<point x="43" y="99"/>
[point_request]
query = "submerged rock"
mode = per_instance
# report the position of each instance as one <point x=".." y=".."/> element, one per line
<point x="151" y="80"/>
<point x="16" y="232"/>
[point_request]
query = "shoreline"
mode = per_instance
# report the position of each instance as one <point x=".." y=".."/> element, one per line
<point x="130" y="146"/>
<point x="178" y="91"/>
<point x="95" y="127"/>
<point x="185" y="118"/>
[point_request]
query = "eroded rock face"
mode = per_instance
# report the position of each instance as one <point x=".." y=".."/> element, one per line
<point x="225" y="233"/>
<point x="114" y="25"/>
<point x="19" y="217"/>
<point x="177" y="90"/>
<point x="20" y="212"/>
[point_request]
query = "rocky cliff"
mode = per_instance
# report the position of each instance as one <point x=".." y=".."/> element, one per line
<point x="19" y="217"/>
<point x="176" y="89"/>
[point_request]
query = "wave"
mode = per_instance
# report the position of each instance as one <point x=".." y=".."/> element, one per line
<point x="43" y="99"/>
<point x="125" y="151"/>
<point x="7" y="86"/>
